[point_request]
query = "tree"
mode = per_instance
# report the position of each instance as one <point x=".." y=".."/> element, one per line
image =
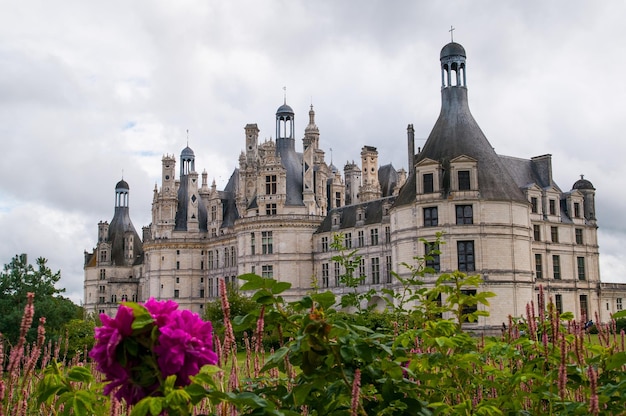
<point x="16" y="280"/>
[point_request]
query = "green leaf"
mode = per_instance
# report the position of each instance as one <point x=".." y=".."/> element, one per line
<point x="156" y="406"/>
<point x="325" y="299"/>
<point x="141" y="314"/>
<point x="620" y="314"/>
<point x="300" y="393"/>
<point x="280" y="287"/>
<point x="253" y="281"/>
<point x="78" y="373"/>
<point x="616" y="361"/>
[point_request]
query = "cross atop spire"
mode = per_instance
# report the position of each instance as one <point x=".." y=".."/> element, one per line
<point x="452" y="29"/>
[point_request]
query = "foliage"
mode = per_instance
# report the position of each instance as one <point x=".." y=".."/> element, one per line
<point x="240" y="305"/>
<point x="18" y="279"/>
<point x="416" y="359"/>
<point x="79" y="336"/>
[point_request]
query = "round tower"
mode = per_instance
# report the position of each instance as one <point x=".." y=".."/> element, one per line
<point x="589" y="197"/>
<point x="121" y="194"/>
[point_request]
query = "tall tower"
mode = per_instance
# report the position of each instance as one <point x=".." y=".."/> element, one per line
<point x="310" y="144"/>
<point x="370" y="189"/>
<point x="352" y="173"/>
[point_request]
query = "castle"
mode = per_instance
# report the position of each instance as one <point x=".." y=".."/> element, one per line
<point x="502" y="217"/>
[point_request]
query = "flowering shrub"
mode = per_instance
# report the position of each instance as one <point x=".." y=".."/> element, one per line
<point x="145" y="344"/>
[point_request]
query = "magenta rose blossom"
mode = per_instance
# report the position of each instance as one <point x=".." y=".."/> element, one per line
<point x="136" y="361"/>
<point x="185" y="345"/>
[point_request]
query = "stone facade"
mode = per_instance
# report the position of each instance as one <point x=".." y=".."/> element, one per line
<point x="501" y="217"/>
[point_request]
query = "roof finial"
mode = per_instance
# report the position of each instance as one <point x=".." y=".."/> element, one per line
<point x="582" y="176"/>
<point x="187" y="137"/>
<point x="123" y="174"/>
<point x="331" y="155"/>
<point x="452" y="29"/>
<point x="285" y="95"/>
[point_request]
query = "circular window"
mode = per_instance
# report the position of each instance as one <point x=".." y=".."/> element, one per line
<point x="167" y="177"/>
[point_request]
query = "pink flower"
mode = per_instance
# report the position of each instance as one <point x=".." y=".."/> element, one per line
<point x="109" y="336"/>
<point x="135" y="361"/>
<point x="160" y="310"/>
<point x="184" y="346"/>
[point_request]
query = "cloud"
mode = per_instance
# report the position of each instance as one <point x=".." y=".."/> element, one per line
<point x="91" y="90"/>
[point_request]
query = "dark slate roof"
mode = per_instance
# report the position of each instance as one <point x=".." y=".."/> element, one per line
<point x="284" y="109"/>
<point x="181" y="211"/>
<point x="583" y="184"/>
<point x="292" y="162"/>
<point x="120" y="225"/>
<point x="187" y="153"/>
<point x="122" y="185"/>
<point x="456" y="133"/>
<point x="348" y="215"/>
<point x="452" y="49"/>
<point x="526" y="172"/>
<point x="228" y="196"/>
<point x="388" y="179"/>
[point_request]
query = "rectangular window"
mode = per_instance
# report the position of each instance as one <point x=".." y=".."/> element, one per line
<point x="177" y="265"/>
<point x="201" y="264"/>
<point x="466" y="308"/>
<point x="103" y="274"/>
<point x="552" y="204"/>
<point x="337" y="199"/>
<point x="618" y="304"/>
<point x="201" y="293"/>
<point x="556" y="267"/>
<point x="464" y="180"/>
<point x="102" y="289"/>
<point x="217" y="259"/>
<point x="464" y="214"/>
<point x="465" y="256"/>
<point x="580" y="261"/>
<point x="536" y="232"/>
<point x="214" y="213"/>
<point x="576" y="210"/>
<point x="347" y="240"/>
<point x="584" y="309"/>
<point x="375" y="271"/>
<point x="554" y="234"/>
<point x="267" y="242"/>
<point x="374" y="236"/>
<point x="252" y="244"/>
<point x="267" y="270"/>
<point x="325" y="275"/>
<point x="270" y="185"/>
<point x="533" y="205"/>
<point x="337" y="273"/>
<point x="579" y="235"/>
<point x="226" y="257"/>
<point x="387" y="235"/>
<point x="178" y="280"/>
<point x="360" y="239"/>
<point x="210" y="259"/>
<point x="270" y="209"/>
<point x="233" y="256"/>
<point x="538" y="266"/>
<point x="431" y="251"/>
<point x="324" y="244"/>
<point x="176" y="293"/>
<point x="210" y="286"/>
<point x="558" y="303"/>
<point x="362" y="275"/>
<point x="388" y="269"/>
<point x="428" y="183"/>
<point x="431" y="217"/>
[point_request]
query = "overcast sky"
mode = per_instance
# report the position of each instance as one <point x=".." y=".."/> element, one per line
<point x="89" y="90"/>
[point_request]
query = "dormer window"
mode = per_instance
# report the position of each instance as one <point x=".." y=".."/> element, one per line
<point x="534" y="205"/>
<point x="428" y="183"/>
<point x="552" y="207"/>
<point x="464" y="180"/>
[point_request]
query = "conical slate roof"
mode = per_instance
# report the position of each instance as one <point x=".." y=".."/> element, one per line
<point x="456" y="133"/>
